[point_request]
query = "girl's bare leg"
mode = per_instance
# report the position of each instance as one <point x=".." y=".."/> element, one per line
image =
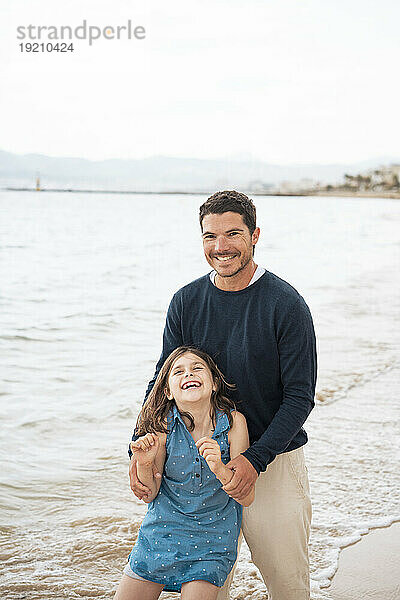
<point x="193" y="590"/>
<point x="136" y="589"/>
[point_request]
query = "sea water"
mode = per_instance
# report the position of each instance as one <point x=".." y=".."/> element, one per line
<point x="85" y="281"/>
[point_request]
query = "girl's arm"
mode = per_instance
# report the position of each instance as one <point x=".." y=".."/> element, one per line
<point x="239" y="442"/>
<point x="149" y="453"/>
<point x="238" y="437"/>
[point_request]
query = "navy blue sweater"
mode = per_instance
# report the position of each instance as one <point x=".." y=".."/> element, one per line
<point x="262" y="338"/>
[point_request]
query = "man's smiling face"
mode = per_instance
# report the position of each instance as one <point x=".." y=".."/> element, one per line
<point x="228" y="243"/>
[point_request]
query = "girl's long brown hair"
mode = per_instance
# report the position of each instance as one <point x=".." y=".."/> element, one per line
<point x="153" y="416"/>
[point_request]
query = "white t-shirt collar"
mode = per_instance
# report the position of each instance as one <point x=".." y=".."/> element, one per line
<point x="259" y="272"/>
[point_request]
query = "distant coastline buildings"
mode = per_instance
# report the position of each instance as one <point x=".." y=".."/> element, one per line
<point x="379" y="180"/>
<point x="382" y="181"/>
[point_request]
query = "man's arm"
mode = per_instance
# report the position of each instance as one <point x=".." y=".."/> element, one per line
<point x="298" y="371"/>
<point x="172" y="338"/>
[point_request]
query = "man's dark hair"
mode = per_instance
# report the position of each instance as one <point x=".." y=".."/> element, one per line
<point x="230" y="201"/>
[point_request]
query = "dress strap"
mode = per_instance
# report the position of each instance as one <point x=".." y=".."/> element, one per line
<point x="222" y="423"/>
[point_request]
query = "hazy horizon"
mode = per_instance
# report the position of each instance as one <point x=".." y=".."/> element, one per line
<point x="168" y="173"/>
<point x="239" y="157"/>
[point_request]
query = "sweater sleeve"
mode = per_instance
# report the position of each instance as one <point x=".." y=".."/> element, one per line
<point x="172" y="338"/>
<point x="298" y="373"/>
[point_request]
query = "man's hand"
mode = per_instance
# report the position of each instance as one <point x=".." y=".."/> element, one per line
<point x="137" y="487"/>
<point x="243" y="479"/>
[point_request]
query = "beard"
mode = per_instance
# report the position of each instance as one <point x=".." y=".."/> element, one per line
<point x="245" y="261"/>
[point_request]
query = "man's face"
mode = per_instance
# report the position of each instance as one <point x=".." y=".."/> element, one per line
<point x="227" y="242"/>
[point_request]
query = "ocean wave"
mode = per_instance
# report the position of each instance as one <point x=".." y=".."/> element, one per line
<point x="26" y="338"/>
<point x="327" y="396"/>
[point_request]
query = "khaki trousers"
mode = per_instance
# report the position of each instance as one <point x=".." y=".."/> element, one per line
<point x="277" y="529"/>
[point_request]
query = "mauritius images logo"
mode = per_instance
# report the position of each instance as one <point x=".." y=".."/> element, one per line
<point x="84" y="31"/>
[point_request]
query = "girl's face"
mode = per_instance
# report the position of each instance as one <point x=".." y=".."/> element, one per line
<point x="190" y="380"/>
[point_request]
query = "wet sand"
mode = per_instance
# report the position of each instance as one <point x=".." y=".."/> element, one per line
<point x="370" y="569"/>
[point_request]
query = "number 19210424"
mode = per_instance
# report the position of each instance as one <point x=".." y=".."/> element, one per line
<point x="49" y="47"/>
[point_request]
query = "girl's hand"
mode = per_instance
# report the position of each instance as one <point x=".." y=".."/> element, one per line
<point x="145" y="448"/>
<point x="210" y="450"/>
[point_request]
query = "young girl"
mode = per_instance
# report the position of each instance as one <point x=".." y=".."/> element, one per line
<point x="189" y="430"/>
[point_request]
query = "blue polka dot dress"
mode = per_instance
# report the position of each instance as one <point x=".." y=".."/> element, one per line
<point x="191" y="528"/>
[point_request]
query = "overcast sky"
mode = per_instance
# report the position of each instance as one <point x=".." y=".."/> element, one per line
<point x="278" y="80"/>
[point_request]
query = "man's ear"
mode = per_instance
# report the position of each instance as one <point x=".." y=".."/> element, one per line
<point x="255" y="236"/>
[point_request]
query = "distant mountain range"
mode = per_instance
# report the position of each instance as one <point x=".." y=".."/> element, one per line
<point x="162" y="173"/>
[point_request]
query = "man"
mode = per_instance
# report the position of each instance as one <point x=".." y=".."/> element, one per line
<point x="260" y="332"/>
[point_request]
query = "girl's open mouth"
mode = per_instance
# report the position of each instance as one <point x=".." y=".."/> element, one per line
<point x="190" y="384"/>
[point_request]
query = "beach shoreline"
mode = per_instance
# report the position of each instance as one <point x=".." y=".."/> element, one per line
<point x="86" y="282"/>
<point x="386" y="195"/>
<point x="369" y="569"/>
